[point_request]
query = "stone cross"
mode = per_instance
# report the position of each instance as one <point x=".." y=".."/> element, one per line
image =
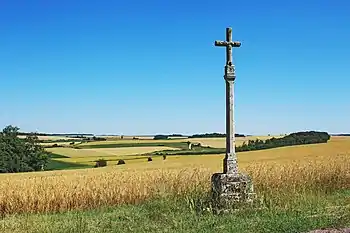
<point x="230" y="187"/>
<point x="230" y="161"/>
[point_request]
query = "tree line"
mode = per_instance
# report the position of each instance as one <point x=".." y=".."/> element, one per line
<point x="299" y="138"/>
<point x="20" y="155"/>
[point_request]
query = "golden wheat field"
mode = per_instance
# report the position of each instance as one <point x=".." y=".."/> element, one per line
<point x="288" y="170"/>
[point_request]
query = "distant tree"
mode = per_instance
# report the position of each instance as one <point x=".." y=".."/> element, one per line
<point x="101" y="163"/>
<point x="175" y="135"/>
<point x="160" y="137"/>
<point x="94" y="138"/>
<point x="343" y="134"/>
<point x="20" y="155"/>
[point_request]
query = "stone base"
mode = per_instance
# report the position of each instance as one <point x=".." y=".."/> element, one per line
<point x="230" y="190"/>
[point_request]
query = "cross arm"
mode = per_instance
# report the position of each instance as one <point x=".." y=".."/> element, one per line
<point x="225" y="43"/>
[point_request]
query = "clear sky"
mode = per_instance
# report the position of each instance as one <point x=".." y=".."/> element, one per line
<point x="147" y="67"/>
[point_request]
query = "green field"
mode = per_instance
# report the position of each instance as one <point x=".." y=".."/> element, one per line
<point x="171" y="215"/>
<point x="136" y="151"/>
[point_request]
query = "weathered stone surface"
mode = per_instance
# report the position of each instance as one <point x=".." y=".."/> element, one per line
<point x="225" y="43"/>
<point x="230" y="74"/>
<point x="230" y="189"/>
<point x="230" y="165"/>
<point x="229" y="44"/>
<point x="230" y="161"/>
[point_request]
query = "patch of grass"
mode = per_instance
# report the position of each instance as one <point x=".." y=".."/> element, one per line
<point x="175" y="215"/>
<point x="194" y="151"/>
<point x="57" y="156"/>
<point x="60" y="165"/>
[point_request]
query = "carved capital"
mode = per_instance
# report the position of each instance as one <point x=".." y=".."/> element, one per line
<point x="229" y="69"/>
<point x="230" y="73"/>
<point x="230" y="77"/>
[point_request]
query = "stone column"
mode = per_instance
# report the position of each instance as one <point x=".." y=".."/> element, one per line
<point x="230" y="161"/>
<point x="230" y="187"/>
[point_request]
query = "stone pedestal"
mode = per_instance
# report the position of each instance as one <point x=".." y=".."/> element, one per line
<point x="231" y="190"/>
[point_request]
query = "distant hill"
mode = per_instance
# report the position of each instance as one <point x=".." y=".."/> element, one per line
<point x="341" y="134"/>
<point x="213" y="135"/>
<point x="73" y="135"/>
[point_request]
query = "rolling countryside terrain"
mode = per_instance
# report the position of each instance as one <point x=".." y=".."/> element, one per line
<point x="294" y="178"/>
<point x="135" y="151"/>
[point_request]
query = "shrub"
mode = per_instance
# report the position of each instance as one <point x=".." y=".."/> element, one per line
<point x="101" y="163"/>
<point x="120" y="161"/>
<point x="94" y="138"/>
<point x="149" y="159"/>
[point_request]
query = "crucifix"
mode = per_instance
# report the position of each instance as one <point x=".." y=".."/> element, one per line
<point x="230" y="186"/>
<point x="230" y="160"/>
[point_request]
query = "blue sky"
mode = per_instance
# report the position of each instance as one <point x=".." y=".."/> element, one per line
<point x="147" y="67"/>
